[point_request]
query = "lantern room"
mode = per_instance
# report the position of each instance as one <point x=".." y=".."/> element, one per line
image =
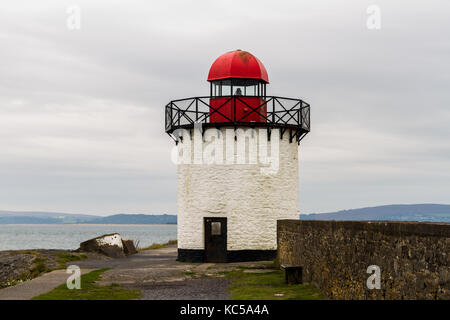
<point x="238" y="88"/>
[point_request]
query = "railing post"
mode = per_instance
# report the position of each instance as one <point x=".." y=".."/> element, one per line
<point x="273" y="110"/>
<point x="196" y="109"/>
<point x="179" y="116"/>
<point x="234" y="108"/>
<point x="309" y="118"/>
<point x="171" y="116"/>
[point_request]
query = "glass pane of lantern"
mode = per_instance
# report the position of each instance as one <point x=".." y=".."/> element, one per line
<point x="216" y="90"/>
<point x="250" y="91"/>
<point x="226" y="90"/>
<point x="215" y="228"/>
<point x="238" y="90"/>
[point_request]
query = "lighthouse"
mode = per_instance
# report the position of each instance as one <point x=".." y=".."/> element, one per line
<point x="236" y="151"/>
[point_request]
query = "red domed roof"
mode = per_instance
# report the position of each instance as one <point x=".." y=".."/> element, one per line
<point x="237" y="64"/>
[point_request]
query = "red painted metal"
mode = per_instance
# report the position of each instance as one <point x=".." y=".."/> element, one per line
<point x="238" y="64"/>
<point x="239" y="110"/>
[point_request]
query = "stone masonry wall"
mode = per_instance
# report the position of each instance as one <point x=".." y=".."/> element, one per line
<point x="413" y="257"/>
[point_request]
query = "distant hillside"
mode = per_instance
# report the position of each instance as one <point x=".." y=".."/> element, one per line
<point x="28" y="220"/>
<point x="24" y="217"/>
<point x="397" y="212"/>
<point x="137" y="219"/>
<point x="38" y="217"/>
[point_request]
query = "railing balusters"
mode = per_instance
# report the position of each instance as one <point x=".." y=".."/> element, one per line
<point x="299" y="122"/>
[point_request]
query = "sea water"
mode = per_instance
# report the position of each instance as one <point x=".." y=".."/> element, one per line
<point x="69" y="236"/>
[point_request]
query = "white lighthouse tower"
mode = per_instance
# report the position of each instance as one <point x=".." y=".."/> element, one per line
<point x="237" y="155"/>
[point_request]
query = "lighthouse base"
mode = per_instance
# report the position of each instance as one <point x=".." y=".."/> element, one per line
<point x="192" y="255"/>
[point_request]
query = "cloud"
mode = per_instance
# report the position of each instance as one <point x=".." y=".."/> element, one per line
<point x="82" y="111"/>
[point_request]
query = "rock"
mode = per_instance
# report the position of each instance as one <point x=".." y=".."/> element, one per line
<point x="110" y="245"/>
<point x="14" y="266"/>
<point x="128" y="246"/>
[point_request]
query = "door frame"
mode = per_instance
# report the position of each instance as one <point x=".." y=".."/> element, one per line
<point x="222" y="255"/>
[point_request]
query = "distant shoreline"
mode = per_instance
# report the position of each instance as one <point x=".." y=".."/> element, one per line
<point x="119" y="224"/>
<point x="11" y="217"/>
<point x="88" y="224"/>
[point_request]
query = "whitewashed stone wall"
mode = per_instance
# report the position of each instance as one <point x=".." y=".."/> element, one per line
<point x="251" y="201"/>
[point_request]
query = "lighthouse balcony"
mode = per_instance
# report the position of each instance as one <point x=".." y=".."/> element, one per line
<point x="291" y="116"/>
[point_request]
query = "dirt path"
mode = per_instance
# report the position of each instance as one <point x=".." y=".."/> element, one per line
<point x="36" y="286"/>
<point x="159" y="276"/>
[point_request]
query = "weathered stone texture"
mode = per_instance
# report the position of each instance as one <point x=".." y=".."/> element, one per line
<point x="14" y="265"/>
<point x="413" y="257"/>
<point x="109" y="244"/>
<point x="128" y="246"/>
<point x="251" y="201"/>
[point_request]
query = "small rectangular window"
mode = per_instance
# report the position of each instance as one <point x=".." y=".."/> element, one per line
<point x="238" y="90"/>
<point x="215" y="228"/>
<point x="226" y="91"/>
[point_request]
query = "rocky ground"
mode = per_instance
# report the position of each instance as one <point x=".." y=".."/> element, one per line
<point x="17" y="266"/>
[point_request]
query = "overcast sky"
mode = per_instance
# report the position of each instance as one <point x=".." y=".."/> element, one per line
<point x="82" y="110"/>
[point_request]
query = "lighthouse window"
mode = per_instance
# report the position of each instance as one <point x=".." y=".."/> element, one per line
<point x="250" y="90"/>
<point x="215" y="228"/>
<point x="239" y="90"/>
<point x="226" y="90"/>
<point x="238" y="87"/>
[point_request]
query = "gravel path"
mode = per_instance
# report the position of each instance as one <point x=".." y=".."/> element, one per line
<point x="160" y="277"/>
<point x="197" y="289"/>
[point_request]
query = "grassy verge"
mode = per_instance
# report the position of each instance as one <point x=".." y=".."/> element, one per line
<point x="159" y="245"/>
<point x="64" y="258"/>
<point x="268" y="286"/>
<point x="90" y="291"/>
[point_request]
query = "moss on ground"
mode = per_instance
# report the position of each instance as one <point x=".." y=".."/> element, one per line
<point x="65" y="257"/>
<point x="90" y="291"/>
<point x="38" y="267"/>
<point x="268" y="286"/>
<point x="159" y="245"/>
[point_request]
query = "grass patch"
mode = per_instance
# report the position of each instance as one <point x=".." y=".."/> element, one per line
<point x="68" y="257"/>
<point x="39" y="267"/>
<point x="268" y="286"/>
<point x="90" y="291"/>
<point x="36" y="253"/>
<point x="159" y="245"/>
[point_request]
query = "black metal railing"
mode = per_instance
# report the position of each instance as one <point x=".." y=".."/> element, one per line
<point x="274" y="112"/>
